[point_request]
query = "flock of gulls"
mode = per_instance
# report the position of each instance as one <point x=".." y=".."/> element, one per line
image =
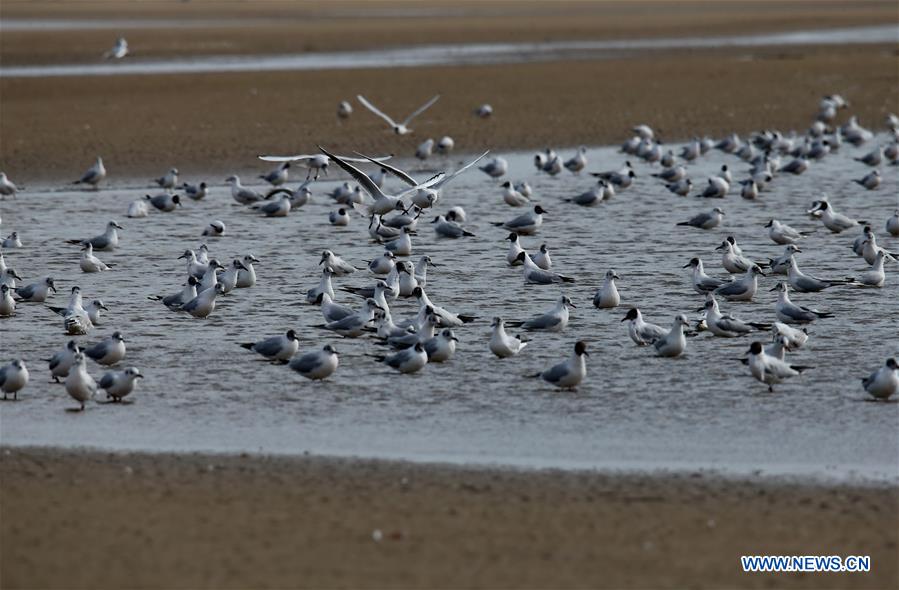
<point x="394" y="216"/>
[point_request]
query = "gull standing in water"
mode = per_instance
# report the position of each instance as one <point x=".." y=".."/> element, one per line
<point x="884" y="382"/>
<point x="794" y="337"/>
<point x="62" y="361"/>
<point x="770" y="370"/>
<point x="640" y="331"/>
<point x="196" y="192"/>
<point x="569" y="374"/>
<point x="535" y="275"/>
<point x="408" y="360"/>
<point x="398" y="128"/>
<point x="503" y="345"/>
<point x="278" y="208"/>
<point x="7" y="303"/>
<point x="807" y="284"/>
<point x="137" y="209"/>
<point x="441" y="347"/>
<point x="789" y="312"/>
<point x="242" y="194"/>
<point x="726" y="325"/>
<point x="109" y="351"/>
<point x="338" y="265"/>
<point x="554" y="320"/>
<point x="7" y="187"/>
<point x="12" y="241"/>
<point x="89" y="262"/>
<point x="449" y="229"/>
<point x="316" y="365"/>
<point x="180" y="298"/>
<point x="674" y="342"/>
<point x="339" y="218"/>
<point x="108" y="240"/>
<point x="276" y="348"/>
<point x="744" y="288"/>
<point x="731" y="260"/>
<point x="495" y="168"/>
<point x="526" y="224"/>
<point x="709" y="220"/>
<point x="875" y="276"/>
<point x="215" y="229"/>
<point x="13" y="378"/>
<point x="578" y="162"/>
<point x="607" y="296"/>
<point x="355" y="325"/>
<point x="168" y="180"/>
<point x="278" y="176"/>
<point x="79" y="384"/>
<point x="703" y="283"/>
<point x="832" y="220"/>
<point x="515" y="250"/>
<point x="383" y="264"/>
<point x="119" y="384"/>
<point x="36" y="292"/>
<point x="204" y="303"/>
<point x="333" y="312"/>
<point x="247" y="276"/>
<point x="76" y="320"/>
<point x="94" y="175"/>
<point x="783" y="234"/>
<point x="512" y="197"/>
<point x="892" y="225"/>
<point x="324" y="286"/>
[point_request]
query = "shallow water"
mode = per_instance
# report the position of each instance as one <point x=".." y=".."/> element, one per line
<point x="635" y="411"/>
<point x="458" y="54"/>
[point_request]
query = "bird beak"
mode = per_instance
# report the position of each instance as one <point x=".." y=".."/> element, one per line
<point x="138" y="376"/>
<point x="104" y="307"/>
<point x="687" y="265"/>
<point x="572" y="305"/>
<point x="615" y="276"/>
<point x="454" y="338"/>
<point x="52" y="288"/>
<point x="773" y="289"/>
<point x="586" y="353"/>
<point x="182" y="256"/>
<point x="432" y="264"/>
<point x="721" y="247"/>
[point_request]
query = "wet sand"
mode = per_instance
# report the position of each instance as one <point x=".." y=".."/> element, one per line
<point x="80" y="519"/>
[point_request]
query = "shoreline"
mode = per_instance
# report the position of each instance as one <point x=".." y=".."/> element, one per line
<point x="275" y="522"/>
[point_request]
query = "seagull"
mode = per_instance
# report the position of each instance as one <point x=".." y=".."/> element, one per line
<point x="733" y="262"/>
<point x="796" y="166"/>
<point x="276" y="348"/>
<point x="242" y="194"/>
<point x="196" y="192"/>
<point x="770" y="370"/>
<point x="137" y="208"/>
<point x="870" y="249"/>
<point x="781" y="264"/>
<point x="542" y="259"/>
<point x="247" y="275"/>
<point x="672" y="174"/>
<point x="569" y="374"/>
<point x="425" y="149"/>
<point x="181" y="297"/>
<point x="709" y="220"/>
<point x="76" y="320"/>
<point x="408" y="282"/>
<point x="332" y="312"/>
<point x="168" y="180"/>
<point x="7" y="303"/>
<point x="79" y="384"/>
<point x="344" y="109"/>
<point x="873" y="158"/>
<point x="398" y="128"/>
<point x="12" y="241"/>
<point x="512" y="197"/>
<point x="794" y="337"/>
<point x="441" y="347"/>
<point x="515" y="250"/>
<point x="7" y="187"/>
<point x="164" y="202"/>
<point x="94" y="175"/>
<point x="13" y="378"/>
<point x="789" y="312"/>
<point x="449" y="229"/>
<point x="806" y="283"/>
<point x="228" y="278"/>
<point x="622" y="178"/>
<point x="317" y="163"/>
<point x="526" y="224"/>
<point x="278" y="175"/>
<point x="36" y="292"/>
<point x="215" y="229"/>
<point x="210" y="277"/>
<point x="875" y="276"/>
<point x="640" y="331"/>
<point x="870" y="181"/>
<point x="503" y="345"/>
<point x="421" y="270"/>
<point x="535" y="275"/>
<point x="783" y="234"/>
<point x="726" y="325"/>
<point x="108" y="240"/>
<point x="204" y="303"/>
<point x="279" y="208"/>
<point x="62" y="361"/>
<point x="354" y="326"/>
<point x="893" y="225"/>
<point x="426" y="331"/>
<point x="554" y="320"/>
<point x="674" y="342"/>
<point x="884" y="382"/>
<point x="118" y="51"/>
<point x="484" y="111"/>
<point x="8" y="277"/>
<point x="744" y="288"/>
<point x="408" y="360"/>
<point x="339" y="218"/>
<point x="495" y="167"/>
<point x="607" y="296"/>
<point x="109" y="351"/>
<point x="383" y="264"/>
<point x="118" y="384"/>
<point x="578" y="162"/>
<point x="717" y="188"/>
<point x="445" y="145"/>
<point x="401" y="246"/>
<point x="832" y="220"/>
<point x="703" y="283"/>
<point x="324" y="286"/>
<point x="316" y="365"/>
<point x="750" y="189"/>
<point x="447" y="318"/>
<point x="338" y="265"/>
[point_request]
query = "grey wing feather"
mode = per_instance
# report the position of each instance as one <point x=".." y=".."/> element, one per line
<point x="107" y="381"/>
<point x="268" y="347"/>
<point x="364" y="181"/>
<point x="55" y="360"/>
<point x="449" y="177"/>
<point x="421" y="109"/>
<point x="555" y="374"/>
<point x="2" y="376"/>
<point x="26" y="292"/>
<point x="305" y="363"/>
<point x="544" y="321"/>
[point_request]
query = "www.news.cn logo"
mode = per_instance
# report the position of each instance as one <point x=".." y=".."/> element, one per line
<point x="805" y="563"/>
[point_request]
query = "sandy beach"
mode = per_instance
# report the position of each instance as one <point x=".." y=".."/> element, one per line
<point x="215" y="124"/>
<point x="95" y="520"/>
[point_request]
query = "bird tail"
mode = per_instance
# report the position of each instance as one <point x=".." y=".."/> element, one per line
<point x="514" y="324"/>
<point x="154" y="297"/>
<point x="759" y="326"/>
<point x="683" y="223"/>
<point x="467" y="319"/>
<point x="534" y="375"/>
<point x="497" y="223"/>
<point x="467" y="233"/>
<point x="77" y="182"/>
<point x="566" y="279"/>
<point x="247" y="345"/>
<point x="59" y="310"/>
<point x="823" y="314"/>
<point x="800" y="368"/>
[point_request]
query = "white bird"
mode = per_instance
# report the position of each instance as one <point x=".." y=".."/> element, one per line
<point x="445" y="145"/>
<point x="569" y="374"/>
<point x="7" y="303"/>
<point x="875" y="276"/>
<point x="512" y="197"/>
<point x="338" y="265"/>
<point x="242" y="194"/>
<point x="108" y="351"/>
<point x="196" y="192"/>
<point x="525" y="224"/>
<point x="8" y="277"/>
<point x="681" y="187"/>
<point x="535" y="275"/>
<point x="137" y="209"/>
<point x="398" y="128"/>
<point x="750" y="189"/>
<point x="383" y="264"/>
<point x="62" y="361"/>
<point x="503" y="345"/>
<point x="344" y="109"/>
<point x="447" y="318"/>
<point x="789" y="312"/>
<point x="247" y="276"/>
<point x="884" y="382"/>
<point x="164" y="202"/>
<point x="796" y="166"/>
<point x="168" y="180"/>
<point x="607" y="295"/>
<point x="622" y="178"/>
<point x="94" y="175"/>
<point x="118" y="51"/>
<point x="229" y="277"/>
<point x="324" y="286"/>
<point x="716" y="189"/>
<point x="554" y="320"/>
<point x="484" y="111"/>
<point x="204" y="303"/>
<point x="278" y="175"/>
<point x="783" y="234"/>
<point x="892" y="225"/>
<point x="119" y="384"/>
<point x="744" y="288"/>
<point x="425" y="149"/>
<point x="495" y="167"/>
<point x="178" y="299"/>
<point x="542" y="258"/>
<point x="641" y="331"/>
<point x="333" y="312"/>
<point x="449" y="229"/>
<point x="316" y="365"/>
<point x="870" y="181"/>
<point x="591" y="197"/>
<point x="832" y="220"/>
<point x="108" y="240"/>
<point x="794" y="337"/>
<point x="781" y="264"/>
<point x="674" y="342"/>
<point x="726" y="325"/>
<point x="515" y="250"/>
<point x="277" y="348"/>
<point x="317" y="163"/>
<point x="733" y="262"/>
<point x="89" y="262"/>
<point x="36" y="292"/>
<point x="79" y="384"/>
<point x="770" y="370"/>
<point x="76" y="320"/>
<point x="578" y="161"/>
<point x="12" y="241"/>
<point x="277" y="208"/>
<point x="873" y="158"/>
<point x="709" y="220"/>
<point x="339" y="218"/>
<point x="215" y="229"/>
<point x="401" y="246"/>
<point x="408" y="360"/>
<point x="441" y="347"/>
<point x="808" y="284"/>
<point x="702" y="283"/>
<point x="13" y="378"/>
<point x="7" y="187"/>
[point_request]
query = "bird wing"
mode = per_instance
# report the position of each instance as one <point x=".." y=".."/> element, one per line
<point x="268" y="347"/>
<point x="420" y="110"/>
<point x="392" y="169"/>
<point x="107" y="381"/>
<point x="286" y="158"/>
<point x="305" y="363"/>
<point x="358" y="175"/>
<point x="555" y="374"/>
<point x="376" y="111"/>
<point x="542" y="322"/>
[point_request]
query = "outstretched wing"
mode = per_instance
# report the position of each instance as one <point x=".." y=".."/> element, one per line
<point x="449" y="177"/>
<point x="376" y="111"/>
<point x="420" y="110"/>
<point x="285" y="158"/>
<point x="358" y="175"/>
<point x="392" y="169"/>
